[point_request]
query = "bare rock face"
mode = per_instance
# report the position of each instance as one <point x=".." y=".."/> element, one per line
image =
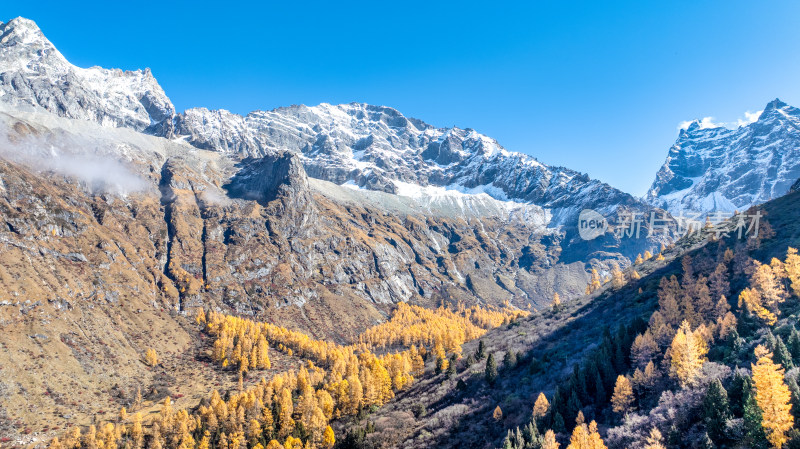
<point x="274" y="176"/>
<point x="257" y="235"/>
<point x="375" y="148"/>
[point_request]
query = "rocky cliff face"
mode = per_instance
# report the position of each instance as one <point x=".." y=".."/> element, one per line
<point x="720" y="169"/>
<point x="255" y="235"/>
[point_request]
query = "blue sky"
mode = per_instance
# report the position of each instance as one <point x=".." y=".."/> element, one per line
<point x="596" y="86"/>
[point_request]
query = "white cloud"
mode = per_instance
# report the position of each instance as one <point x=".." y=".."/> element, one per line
<point x="705" y="123"/>
<point x="76" y="156"/>
<point x="708" y="122"/>
<point x="749" y="117"/>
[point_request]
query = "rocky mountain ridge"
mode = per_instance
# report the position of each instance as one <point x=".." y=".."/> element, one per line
<point x="371" y="147"/>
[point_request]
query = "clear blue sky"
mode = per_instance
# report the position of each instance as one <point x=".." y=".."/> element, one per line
<point x="597" y="86"/>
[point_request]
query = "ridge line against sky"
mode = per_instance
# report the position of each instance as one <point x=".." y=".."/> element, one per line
<point x="566" y="84"/>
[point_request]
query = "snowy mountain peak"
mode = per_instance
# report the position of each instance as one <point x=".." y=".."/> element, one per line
<point x="715" y="168"/>
<point x="378" y="148"/>
<point x="21" y="30"/>
<point x="780" y="113"/>
<point x="23" y="46"/>
<point x="775" y="104"/>
<point x="33" y="73"/>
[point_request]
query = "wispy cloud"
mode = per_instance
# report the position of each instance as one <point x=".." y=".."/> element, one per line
<point x="749" y="117"/>
<point x="74" y="157"/>
<point x="709" y="122"/>
<point x="705" y="123"/>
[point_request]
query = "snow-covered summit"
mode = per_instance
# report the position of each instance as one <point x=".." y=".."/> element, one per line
<point x="378" y="148"/>
<point x="33" y="72"/>
<point x="715" y="168"/>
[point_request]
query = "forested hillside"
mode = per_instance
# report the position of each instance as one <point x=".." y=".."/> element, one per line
<point x="695" y="347"/>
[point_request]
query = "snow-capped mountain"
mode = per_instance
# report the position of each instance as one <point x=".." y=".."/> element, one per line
<point x="720" y="169"/>
<point x="33" y="72"/>
<point x="378" y="148"/>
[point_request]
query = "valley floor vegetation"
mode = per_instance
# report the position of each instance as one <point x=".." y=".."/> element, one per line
<point x="294" y="409"/>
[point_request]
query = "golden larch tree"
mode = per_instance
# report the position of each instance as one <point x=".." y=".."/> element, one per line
<point x="293" y="443"/>
<point x="137" y="432"/>
<point x="90" y="438"/>
<point x="644" y="349"/>
<point x="328" y="438"/>
<point x="654" y="440"/>
<point x="668" y="291"/>
<point x="497" y="414"/>
<point x="645" y="379"/>
<point x="594" y="283"/>
<point x="622" y="399"/>
<point x="586" y="437"/>
<point x="150" y="357"/>
<point x="556" y="302"/>
<point x="200" y="318"/>
<point x="550" y="440"/>
<point x="766" y="292"/>
<point x="688" y="352"/>
<point x="751" y="301"/>
<point x="204" y="442"/>
<point x="73" y="438"/>
<point x="254" y="431"/>
<point x="617" y="277"/>
<point x="792" y="269"/>
<point x="541" y="406"/>
<point x="772" y="396"/>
